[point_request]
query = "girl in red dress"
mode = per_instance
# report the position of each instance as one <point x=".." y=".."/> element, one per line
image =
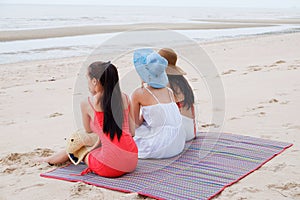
<point x="108" y="114"/>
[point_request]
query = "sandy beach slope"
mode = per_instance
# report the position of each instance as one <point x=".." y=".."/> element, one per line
<point x="261" y="81"/>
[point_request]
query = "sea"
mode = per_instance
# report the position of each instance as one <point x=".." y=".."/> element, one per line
<point x="27" y="17"/>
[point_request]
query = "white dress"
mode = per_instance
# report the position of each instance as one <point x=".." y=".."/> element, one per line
<point x="159" y="136"/>
<point x="187" y="127"/>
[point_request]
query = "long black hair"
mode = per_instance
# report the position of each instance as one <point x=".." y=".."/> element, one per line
<point x="111" y="102"/>
<point x="180" y="85"/>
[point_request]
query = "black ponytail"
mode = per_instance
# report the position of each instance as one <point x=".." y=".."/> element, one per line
<point x="112" y="101"/>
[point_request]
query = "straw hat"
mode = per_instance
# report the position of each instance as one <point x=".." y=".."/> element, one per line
<point x="76" y="149"/>
<point x="151" y="67"/>
<point x="171" y="56"/>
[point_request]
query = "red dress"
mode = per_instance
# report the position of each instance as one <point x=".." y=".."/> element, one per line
<point x="114" y="157"/>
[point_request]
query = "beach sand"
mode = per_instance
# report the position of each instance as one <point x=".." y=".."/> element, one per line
<point x="260" y="76"/>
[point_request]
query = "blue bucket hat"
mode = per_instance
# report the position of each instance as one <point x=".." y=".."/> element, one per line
<point x="151" y="67"/>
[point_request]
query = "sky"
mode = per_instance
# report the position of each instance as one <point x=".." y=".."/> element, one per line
<point x="177" y="3"/>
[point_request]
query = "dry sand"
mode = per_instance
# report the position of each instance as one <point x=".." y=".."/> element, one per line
<point x="261" y="81"/>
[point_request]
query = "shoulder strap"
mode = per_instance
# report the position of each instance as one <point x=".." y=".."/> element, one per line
<point x="128" y="102"/>
<point x="89" y="100"/>
<point x="170" y="94"/>
<point x="152" y="94"/>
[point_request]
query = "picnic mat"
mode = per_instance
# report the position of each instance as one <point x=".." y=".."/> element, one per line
<point x="209" y="164"/>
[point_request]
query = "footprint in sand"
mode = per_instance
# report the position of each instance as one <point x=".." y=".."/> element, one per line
<point x="9" y="170"/>
<point x="46" y="80"/>
<point x="234" y="118"/>
<point x="12" y="164"/>
<point x="273" y="101"/>
<point x="288" y="190"/>
<point x="267" y="67"/>
<point x="271" y="66"/>
<point x="22" y="159"/>
<point x="209" y="125"/>
<point x="254" y="68"/>
<point x="256" y="108"/>
<point x="24" y="163"/>
<point x="56" y="114"/>
<point x="10" y="159"/>
<point x="289" y="67"/>
<point x="278" y="167"/>
<point x="293" y="67"/>
<point x="280" y="62"/>
<point x="229" y="72"/>
<point x="52" y="79"/>
<point x="251" y="189"/>
<point x="81" y="189"/>
<point x="229" y="193"/>
<point x="261" y="114"/>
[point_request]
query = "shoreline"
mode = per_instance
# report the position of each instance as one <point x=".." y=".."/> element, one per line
<point x="222" y="40"/>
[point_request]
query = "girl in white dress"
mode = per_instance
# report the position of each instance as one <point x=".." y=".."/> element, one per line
<point x="157" y="116"/>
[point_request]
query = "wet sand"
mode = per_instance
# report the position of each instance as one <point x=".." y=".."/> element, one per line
<point x="29" y="34"/>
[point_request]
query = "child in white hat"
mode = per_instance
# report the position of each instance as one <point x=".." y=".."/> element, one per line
<point x="158" y="127"/>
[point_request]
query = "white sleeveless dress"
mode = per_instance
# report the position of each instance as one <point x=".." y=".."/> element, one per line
<point x="159" y="136"/>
